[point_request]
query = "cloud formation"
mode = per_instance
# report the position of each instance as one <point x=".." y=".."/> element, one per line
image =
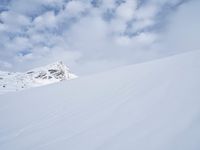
<point x="92" y="34"/>
<point x="182" y="32"/>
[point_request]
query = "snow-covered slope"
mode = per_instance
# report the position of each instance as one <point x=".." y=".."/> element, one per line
<point x="52" y="73"/>
<point x="149" y="106"/>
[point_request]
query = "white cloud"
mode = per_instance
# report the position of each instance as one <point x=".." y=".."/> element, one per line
<point x="118" y="26"/>
<point x="5" y="65"/>
<point x="36" y="32"/>
<point x="147" y="11"/>
<point x="108" y="4"/>
<point x="139" y="41"/>
<point x="18" y="44"/>
<point x="161" y="2"/>
<point x="126" y="10"/>
<point x="33" y="6"/>
<point x="46" y="20"/>
<point x="74" y="8"/>
<point x="182" y="33"/>
<point x="88" y="36"/>
<point x="13" y="21"/>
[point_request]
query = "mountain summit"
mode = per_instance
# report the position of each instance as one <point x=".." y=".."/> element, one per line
<point x="49" y="74"/>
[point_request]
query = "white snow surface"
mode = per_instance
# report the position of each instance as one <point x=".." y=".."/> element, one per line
<point x="148" y="106"/>
<point x="56" y="72"/>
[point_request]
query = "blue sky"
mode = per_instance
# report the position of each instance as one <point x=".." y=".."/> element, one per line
<point x="94" y="35"/>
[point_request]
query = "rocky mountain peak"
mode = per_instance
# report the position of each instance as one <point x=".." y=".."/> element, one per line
<point x="49" y="74"/>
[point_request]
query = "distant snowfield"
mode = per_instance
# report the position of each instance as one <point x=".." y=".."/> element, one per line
<point x="148" y="106"/>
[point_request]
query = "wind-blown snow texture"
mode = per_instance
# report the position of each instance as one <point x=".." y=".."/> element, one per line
<point x="149" y="106"/>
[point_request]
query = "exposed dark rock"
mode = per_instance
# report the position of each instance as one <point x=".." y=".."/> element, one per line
<point x="49" y="77"/>
<point x="45" y="77"/>
<point x="52" y="70"/>
<point x="41" y="75"/>
<point x="30" y="72"/>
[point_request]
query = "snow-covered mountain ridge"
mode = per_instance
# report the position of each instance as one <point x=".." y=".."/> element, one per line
<point x="56" y="72"/>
